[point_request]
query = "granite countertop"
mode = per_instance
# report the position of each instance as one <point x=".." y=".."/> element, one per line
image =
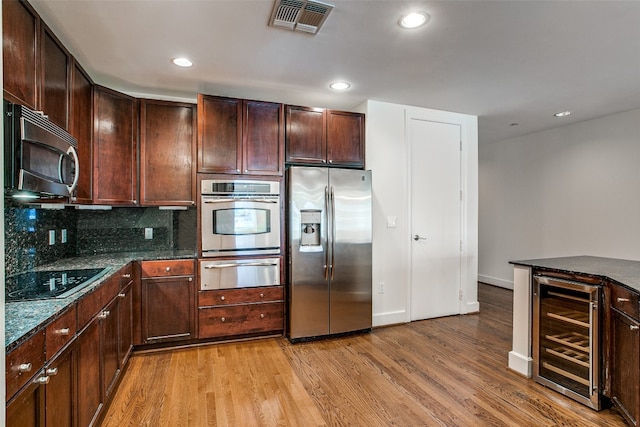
<point x="24" y="318"/>
<point x="624" y="272"/>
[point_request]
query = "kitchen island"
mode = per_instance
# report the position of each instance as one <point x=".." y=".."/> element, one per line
<point x="618" y="313"/>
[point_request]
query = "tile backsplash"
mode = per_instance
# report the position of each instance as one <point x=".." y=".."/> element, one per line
<point x="28" y="229"/>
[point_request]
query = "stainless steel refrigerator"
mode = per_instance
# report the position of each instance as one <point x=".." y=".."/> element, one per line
<point x="329" y="247"/>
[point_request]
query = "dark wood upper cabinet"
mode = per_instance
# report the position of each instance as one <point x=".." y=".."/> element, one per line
<point x="327" y="137"/>
<point x="306" y="135"/>
<point x="345" y="138"/>
<point x="239" y="136"/>
<point x="56" y="77"/>
<point x="82" y="129"/>
<point x="20" y="53"/>
<point x="115" y="138"/>
<point x="167" y="150"/>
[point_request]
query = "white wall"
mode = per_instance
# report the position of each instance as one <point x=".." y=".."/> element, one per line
<point x="386" y="156"/>
<point x="573" y="190"/>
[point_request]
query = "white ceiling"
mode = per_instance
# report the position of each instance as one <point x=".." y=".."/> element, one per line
<point x="504" y="61"/>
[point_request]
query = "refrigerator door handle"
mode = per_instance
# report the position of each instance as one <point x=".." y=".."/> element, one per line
<point x="326" y="219"/>
<point x="333" y="232"/>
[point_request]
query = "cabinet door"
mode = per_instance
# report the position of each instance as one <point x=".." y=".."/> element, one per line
<point x="219" y="134"/>
<point x="306" y="136"/>
<point x="345" y="138"/>
<point x="55" y="79"/>
<point x="263" y="138"/>
<point x="115" y="148"/>
<point x="20" y="32"/>
<point x="89" y="399"/>
<point x="27" y="408"/>
<point x="167" y="309"/>
<point x="61" y="389"/>
<point x="625" y="388"/>
<point x="110" y="361"/>
<point x="167" y="150"/>
<point x="82" y="129"/>
<point x="125" y="323"/>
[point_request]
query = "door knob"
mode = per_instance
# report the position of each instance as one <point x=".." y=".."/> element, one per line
<point x="417" y="237"/>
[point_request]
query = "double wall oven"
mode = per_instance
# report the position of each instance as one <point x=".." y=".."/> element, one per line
<point x="240" y="221"/>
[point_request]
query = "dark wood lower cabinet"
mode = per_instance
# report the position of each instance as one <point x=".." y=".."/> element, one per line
<point x="109" y="337"/>
<point x="60" y="391"/>
<point x="167" y="309"/>
<point x="125" y="323"/>
<point x="625" y="387"/>
<point x="27" y="408"/>
<point x="89" y="375"/>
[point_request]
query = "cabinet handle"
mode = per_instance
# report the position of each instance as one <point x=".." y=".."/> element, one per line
<point x="104" y="314"/>
<point x="246" y="170"/>
<point x="633" y="327"/>
<point x="167" y="269"/>
<point x="25" y="367"/>
<point x="623" y="299"/>
<point x="191" y="279"/>
<point x="64" y="331"/>
<point x="121" y="295"/>
<point x="261" y="295"/>
<point x="262" y="315"/>
<point x="52" y="371"/>
<point x="222" y="298"/>
<point x="42" y="380"/>
<point x="330" y="161"/>
<point x="126" y="276"/>
<point x="222" y="319"/>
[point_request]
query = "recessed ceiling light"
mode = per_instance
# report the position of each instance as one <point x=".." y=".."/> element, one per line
<point x="182" y="62"/>
<point x="340" y="85"/>
<point x="414" y="20"/>
<point x="562" y="114"/>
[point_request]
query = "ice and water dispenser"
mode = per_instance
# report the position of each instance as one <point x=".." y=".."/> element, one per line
<point x="310" y="222"/>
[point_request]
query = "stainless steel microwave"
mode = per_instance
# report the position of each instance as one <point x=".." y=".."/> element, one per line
<point x="40" y="158"/>
<point x="240" y="217"/>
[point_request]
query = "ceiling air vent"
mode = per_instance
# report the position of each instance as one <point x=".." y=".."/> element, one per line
<point x="300" y="15"/>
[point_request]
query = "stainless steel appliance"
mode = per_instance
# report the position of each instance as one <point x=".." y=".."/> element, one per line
<point x="40" y="159"/>
<point x="239" y="273"/>
<point x="240" y="217"/>
<point x="566" y="342"/>
<point x="329" y="242"/>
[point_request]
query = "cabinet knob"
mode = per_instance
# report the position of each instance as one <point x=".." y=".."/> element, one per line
<point x="104" y="314"/>
<point x="64" y="331"/>
<point x="222" y="298"/>
<point x="324" y="161"/>
<point x="42" y="380"/>
<point x="191" y="279"/>
<point x="623" y="299"/>
<point x="633" y="327"/>
<point x="52" y="371"/>
<point x="261" y="295"/>
<point x="262" y="315"/>
<point x="126" y="276"/>
<point x="222" y="319"/>
<point x="25" y="367"/>
<point x="330" y="161"/>
<point x="246" y="170"/>
<point x="167" y="269"/>
<point x="121" y="295"/>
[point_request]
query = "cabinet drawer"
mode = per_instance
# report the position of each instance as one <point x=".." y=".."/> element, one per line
<point x="24" y="362"/>
<point x="60" y="331"/>
<point x="93" y="302"/>
<point x="167" y="268"/>
<point x="240" y="296"/>
<point x="240" y="319"/>
<point x="625" y="300"/>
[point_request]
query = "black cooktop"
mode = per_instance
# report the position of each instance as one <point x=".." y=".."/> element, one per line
<point x="39" y="285"/>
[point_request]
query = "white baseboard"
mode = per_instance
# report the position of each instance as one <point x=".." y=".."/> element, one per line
<point x="390" y="318"/>
<point x="520" y="364"/>
<point x="508" y="284"/>
<point x="472" y="307"/>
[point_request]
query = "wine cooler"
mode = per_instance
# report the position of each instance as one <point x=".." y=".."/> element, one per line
<point x="566" y="342"/>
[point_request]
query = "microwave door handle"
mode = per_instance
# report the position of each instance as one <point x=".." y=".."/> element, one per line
<point x="74" y="184"/>
<point x="245" y="264"/>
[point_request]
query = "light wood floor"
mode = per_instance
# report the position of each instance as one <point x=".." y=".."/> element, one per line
<point x="441" y="372"/>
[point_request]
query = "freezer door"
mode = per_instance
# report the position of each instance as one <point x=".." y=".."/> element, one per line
<point x="308" y="277"/>
<point x="350" y="249"/>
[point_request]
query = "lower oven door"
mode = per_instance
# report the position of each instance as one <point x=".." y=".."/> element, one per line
<point x="245" y="273"/>
<point x="240" y="226"/>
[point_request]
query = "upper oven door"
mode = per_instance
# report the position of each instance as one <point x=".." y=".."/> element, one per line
<point x="240" y="226"/>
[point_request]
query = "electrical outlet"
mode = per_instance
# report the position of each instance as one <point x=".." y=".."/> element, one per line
<point x="63" y="236"/>
<point x="52" y="237"/>
<point x="392" y="222"/>
<point x="381" y="288"/>
<point x="148" y="233"/>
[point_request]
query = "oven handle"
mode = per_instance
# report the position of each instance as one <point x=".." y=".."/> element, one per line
<point x="241" y="200"/>
<point x="244" y="264"/>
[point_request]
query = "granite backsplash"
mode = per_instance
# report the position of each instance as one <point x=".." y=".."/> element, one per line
<point x="89" y="232"/>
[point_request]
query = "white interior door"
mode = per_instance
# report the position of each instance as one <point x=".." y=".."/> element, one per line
<point x="435" y="175"/>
